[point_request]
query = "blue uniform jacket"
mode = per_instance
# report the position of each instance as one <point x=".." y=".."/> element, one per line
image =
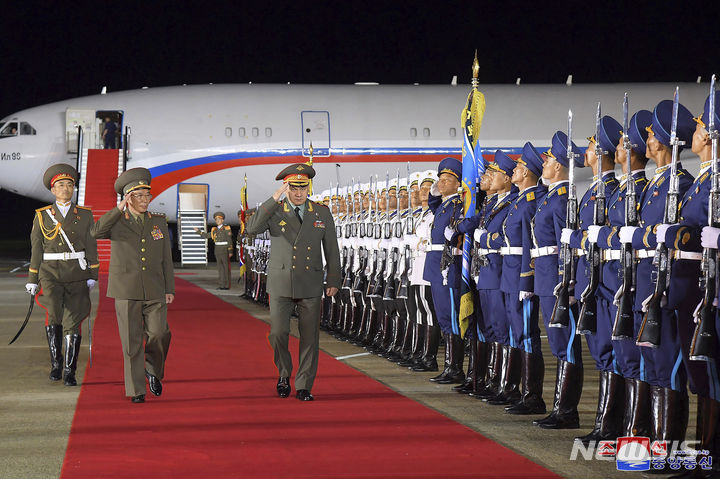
<point x="490" y="275"/>
<point x="547" y="225"/>
<point x="445" y="212"/>
<point x="652" y="208"/>
<point x="586" y="213"/>
<point x="517" y="272"/>
<point x="608" y="236"/>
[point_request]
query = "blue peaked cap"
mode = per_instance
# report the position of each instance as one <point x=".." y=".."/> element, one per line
<point x="662" y="123"/>
<point x="559" y="152"/>
<point x="531" y="159"/>
<point x="637" y="130"/>
<point x="704" y="119"/>
<point x="452" y="166"/>
<point x="609" y="134"/>
<point x="503" y="163"/>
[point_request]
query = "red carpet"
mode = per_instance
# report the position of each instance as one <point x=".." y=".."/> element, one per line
<point x="219" y="415"/>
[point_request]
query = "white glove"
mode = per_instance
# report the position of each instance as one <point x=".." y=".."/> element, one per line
<point x="525" y="295"/>
<point x="593" y="233"/>
<point x="565" y="235"/>
<point x="449" y="232"/>
<point x="626" y="234"/>
<point x="709" y="237"/>
<point x="660" y="233"/>
<point x="478" y="233"/>
<point x="434" y="190"/>
<point x="31" y="288"/>
<point x="91" y="284"/>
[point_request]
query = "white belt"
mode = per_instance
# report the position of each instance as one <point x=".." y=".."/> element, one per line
<point x="578" y="252"/>
<point x="487" y="251"/>
<point x="690" y="255"/>
<point x="511" y="250"/>
<point x="611" y="254"/>
<point x="441" y="247"/>
<point x="645" y="253"/>
<point x="63" y="256"/>
<point x="543" y="251"/>
<point x="221" y="243"/>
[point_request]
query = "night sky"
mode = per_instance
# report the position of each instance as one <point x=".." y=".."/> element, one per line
<point x="76" y="48"/>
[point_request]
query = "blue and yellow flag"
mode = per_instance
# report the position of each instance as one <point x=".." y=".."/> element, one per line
<point x="473" y="167"/>
<point x="243" y="209"/>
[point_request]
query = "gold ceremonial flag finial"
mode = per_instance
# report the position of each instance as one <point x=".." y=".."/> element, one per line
<point x="475" y="71"/>
<point x="309" y="162"/>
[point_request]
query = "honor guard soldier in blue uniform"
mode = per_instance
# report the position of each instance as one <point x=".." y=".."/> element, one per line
<point x="610" y="399"/>
<point x="490" y="299"/>
<point x="479" y="332"/>
<point x="665" y="371"/>
<point x="446" y="205"/>
<point x="684" y="294"/>
<point x="516" y="281"/>
<point x="64" y="268"/>
<point x="636" y="420"/>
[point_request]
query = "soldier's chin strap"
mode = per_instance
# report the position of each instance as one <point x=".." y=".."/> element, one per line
<point x="81" y="261"/>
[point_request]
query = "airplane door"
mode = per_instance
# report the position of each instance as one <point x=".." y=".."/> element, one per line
<point x="315" y="130"/>
<point x="75" y="118"/>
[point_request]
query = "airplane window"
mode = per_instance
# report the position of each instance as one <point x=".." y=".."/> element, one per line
<point x="268" y="132"/>
<point x="413" y="132"/>
<point x="255" y="131"/>
<point x="426" y="131"/>
<point x="241" y="132"/>
<point x="10" y="129"/>
<point x="228" y="132"/>
<point x="452" y="132"/>
<point x="26" y="129"/>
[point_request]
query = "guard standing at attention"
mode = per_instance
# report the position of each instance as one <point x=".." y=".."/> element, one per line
<point x="64" y="267"/>
<point x="222" y="237"/>
<point x="299" y="230"/>
<point x="141" y="281"/>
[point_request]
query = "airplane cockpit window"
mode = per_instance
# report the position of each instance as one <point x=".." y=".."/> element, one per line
<point x="26" y="129"/>
<point x="9" y="129"/>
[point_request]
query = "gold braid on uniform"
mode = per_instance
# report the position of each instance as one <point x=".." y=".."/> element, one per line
<point x="49" y="234"/>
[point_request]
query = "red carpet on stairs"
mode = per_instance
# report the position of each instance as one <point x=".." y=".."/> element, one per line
<point x="219" y="415"/>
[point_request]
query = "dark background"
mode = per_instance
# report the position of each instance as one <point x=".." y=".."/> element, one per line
<point x="75" y="48"/>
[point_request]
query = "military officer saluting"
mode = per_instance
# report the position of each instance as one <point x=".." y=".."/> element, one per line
<point x="64" y="267"/>
<point x="299" y="230"/>
<point x="222" y="237"/>
<point x="141" y="281"/>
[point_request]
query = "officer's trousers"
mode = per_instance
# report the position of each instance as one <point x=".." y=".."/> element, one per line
<point x="67" y="304"/>
<point x="492" y="304"/>
<point x="447" y="303"/>
<point x="664" y="366"/>
<point x="600" y="343"/>
<point x="564" y="343"/>
<point x="627" y="353"/>
<point x="223" y="266"/>
<point x="138" y="320"/>
<point x="524" y="332"/>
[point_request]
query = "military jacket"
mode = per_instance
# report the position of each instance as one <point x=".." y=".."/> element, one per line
<point x="222" y="237"/>
<point x="652" y="208"/>
<point x="295" y="268"/>
<point x="446" y="212"/>
<point x="547" y="225"/>
<point x="490" y="275"/>
<point x="141" y="266"/>
<point x="419" y="242"/>
<point x="517" y="271"/>
<point x="586" y="217"/>
<point x="45" y="237"/>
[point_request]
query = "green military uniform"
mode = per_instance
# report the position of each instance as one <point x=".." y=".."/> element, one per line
<point x="140" y="275"/>
<point x="295" y="277"/>
<point x="222" y="237"/>
<point x="64" y="257"/>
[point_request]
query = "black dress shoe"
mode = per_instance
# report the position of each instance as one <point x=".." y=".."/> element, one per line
<point x="283" y="387"/>
<point x="304" y="395"/>
<point x="138" y="399"/>
<point x="154" y="383"/>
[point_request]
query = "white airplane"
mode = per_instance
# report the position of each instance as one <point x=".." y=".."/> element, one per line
<point x="209" y="137"/>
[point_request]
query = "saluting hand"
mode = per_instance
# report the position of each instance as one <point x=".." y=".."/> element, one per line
<point x="277" y="196"/>
<point x="123" y="202"/>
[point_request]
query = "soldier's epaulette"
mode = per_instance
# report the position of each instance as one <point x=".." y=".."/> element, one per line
<point x="44" y="208"/>
<point x="704" y="177"/>
<point x="530" y="196"/>
<point x="610" y="180"/>
<point x="86" y="208"/>
<point x="227" y="227"/>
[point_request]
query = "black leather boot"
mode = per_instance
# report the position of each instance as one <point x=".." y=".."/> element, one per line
<point x="54" y="338"/>
<point x="556" y="396"/>
<point x="455" y="373"/>
<point x="410" y="345"/>
<point x="533" y="374"/>
<point x="448" y="362"/>
<point x="509" y="391"/>
<point x="610" y="409"/>
<point x="72" y="350"/>
<point x="371" y="327"/>
<point x="390" y="338"/>
<point x="637" y="408"/>
<point x="481" y="367"/>
<point x="491" y="384"/>
<point x="394" y="350"/>
<point x="428" y="362"/>
<point x="571" y="382"/>
<point x="675" y="415"/>
<point x="657" y="397"/>
<point x="471" y="376"/>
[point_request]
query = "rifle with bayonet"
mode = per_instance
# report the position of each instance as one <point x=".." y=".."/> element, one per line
<point x="403" y="291"/>
<point x="390" y="291"/>
<point x="350" y="232"/>
<point x="651" y="326"/>
<point x="624" y="327"/>
<point x="383" y="252"/>
<point x="560" y="317"/>
<point x="704" y="340"/>
<point x="587" y="319"/>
